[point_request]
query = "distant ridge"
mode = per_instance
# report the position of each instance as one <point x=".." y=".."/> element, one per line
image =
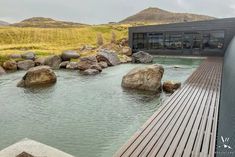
<point x="3" y="23"/>
<point x="43" y="22"/>
<point x="159" y="16"/>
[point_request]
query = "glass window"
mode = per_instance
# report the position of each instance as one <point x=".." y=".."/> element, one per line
<point x="187" y="41"/>
<point x="213" y="40"/>
<point x="173" y="41"/>
<point x="156" y="40"/>
<point x="139" y="41"/>
<point x="192" y="40"/>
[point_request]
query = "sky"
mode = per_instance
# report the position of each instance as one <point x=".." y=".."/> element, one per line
<point x="104" y="11"/>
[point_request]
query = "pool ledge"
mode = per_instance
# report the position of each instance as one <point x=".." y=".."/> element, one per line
<point x="32" y="148"/>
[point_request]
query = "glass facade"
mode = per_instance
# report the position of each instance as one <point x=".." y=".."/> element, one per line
<point x="203" y="40"/>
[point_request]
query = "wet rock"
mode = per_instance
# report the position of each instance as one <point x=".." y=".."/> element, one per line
<point x="87" y="63"/>
<point x="64" y="64"/>
<point x="28" y="55"/>
<point x="10" y="65"/>
<point x="68" y="55"/>
<point x="142" y="57"/>
<point x="53" y="61"/>
<point x="110" y="57"/>
<point x="25" y="65"/>
<point x="171" y="86"/>
<point x="90" y="72"/>
<point x="144" y="78"/>
<point x="103" y="65"/>
<point x="40" y="61"/>
<point x="38" y="76"/>
<point x="72" y="65"/>
<point x="2" y="71"/>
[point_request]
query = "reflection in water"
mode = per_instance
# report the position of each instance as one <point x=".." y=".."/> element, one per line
<point x="84" y="116"/>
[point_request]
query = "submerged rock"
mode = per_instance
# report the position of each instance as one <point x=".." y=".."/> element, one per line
<point x="38" y="76"/>
<point x="28" y="55"/>
<point x="171" y="86"/>
<point x="2" y="71"/>
<point x="109" y="57"/>
<point x="90" y="72"/>
<point x="144" y="78"/>
<point x="10" y="65"/>
<point x="69" y="54"/>
<point x="25" y="65"/>
<point x="142" y="57"/>
<point x="53" y="61"/>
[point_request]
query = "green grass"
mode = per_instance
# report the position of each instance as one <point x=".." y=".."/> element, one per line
<point x="45" y="41"/>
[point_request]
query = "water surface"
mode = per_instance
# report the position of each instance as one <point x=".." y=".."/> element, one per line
<point x="86" y="116"/>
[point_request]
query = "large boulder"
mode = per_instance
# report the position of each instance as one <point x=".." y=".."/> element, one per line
<point x="10" y="65"/>
<point x="68" y="55"/>
<point x="90" y="72"/>
<point x="38" y="76"/>
<point x="171" y="86"/>
<point x="25" y="65"/>
<point x="144" y="78"/>
<point x="2" y="71"/>
<point x="142" y="57"/>
<point x="89" y="63"/>
<point x="40" y="61"/>
<point x="53" y="61"/>
<point x="109" y="57"/>
<point x="72" y="65"/>
<point x="28" y="55"/>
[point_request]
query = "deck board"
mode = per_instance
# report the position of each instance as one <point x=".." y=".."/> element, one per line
<point x="185" y="125"/>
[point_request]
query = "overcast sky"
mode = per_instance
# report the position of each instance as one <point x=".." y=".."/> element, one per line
<point x="104" y="11"/>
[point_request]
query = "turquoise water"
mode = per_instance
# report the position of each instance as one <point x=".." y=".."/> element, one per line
<point x="86" y="116"/>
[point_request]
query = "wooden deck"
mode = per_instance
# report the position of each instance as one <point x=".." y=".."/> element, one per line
<point x="185" y="125"/>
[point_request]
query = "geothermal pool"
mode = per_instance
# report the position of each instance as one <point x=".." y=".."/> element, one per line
<point x="86" y="116"/>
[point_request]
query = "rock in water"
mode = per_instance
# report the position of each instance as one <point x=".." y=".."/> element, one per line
<point x="171" y="86"/>
<point x="142" y="57"/>
<point x="64" y="64"/>
<point x="2" y="71"/>
<point x="103" y="65"/>
<point x="89" y="63"/>
<point x="25" y="65"/>
<point x="38" y="76"/>
<point x="72" y="65"/>
<point x="53" y="61"/>
<point x="28" y="55"/>
<point x="144" y="78"/>
<point x="90" y="72"/>
<point x="67" y="55"/>
<point x="109" y="57"/>
<point x="10" y="65"/>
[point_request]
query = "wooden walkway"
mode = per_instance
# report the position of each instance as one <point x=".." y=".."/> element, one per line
<point x="185" y="125"/>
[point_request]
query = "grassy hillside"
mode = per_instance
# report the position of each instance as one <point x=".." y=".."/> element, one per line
<point x="159" y="16"/>
<point x="55" y="40"/>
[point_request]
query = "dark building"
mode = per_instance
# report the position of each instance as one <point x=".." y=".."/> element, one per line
<point x="202" y="38"/>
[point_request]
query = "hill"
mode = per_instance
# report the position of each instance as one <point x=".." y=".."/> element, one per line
<point x="3" y="23"/>
<point x="159" y="16"/>
<point x="42" y="22"/>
